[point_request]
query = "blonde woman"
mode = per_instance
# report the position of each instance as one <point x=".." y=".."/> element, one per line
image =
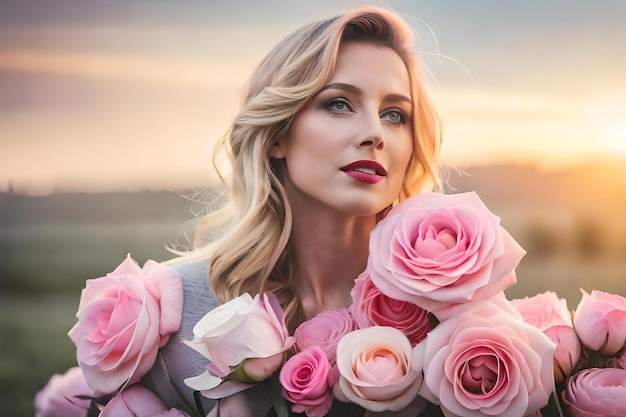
<point x="335" y="129"/>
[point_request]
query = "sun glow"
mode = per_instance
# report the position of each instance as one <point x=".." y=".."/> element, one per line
<point x="606" y="125"/>
<point x="615" y="139"/>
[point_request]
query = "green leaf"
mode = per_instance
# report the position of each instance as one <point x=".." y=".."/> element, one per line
<point x="278" y="402"/>
<point x="93" y="410"/>
<point x="196" y="397"/>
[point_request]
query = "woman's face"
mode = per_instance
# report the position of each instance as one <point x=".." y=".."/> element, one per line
<point x="349" y="148"/>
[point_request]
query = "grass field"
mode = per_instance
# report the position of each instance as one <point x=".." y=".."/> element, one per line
<point x="38" y="304"/>
<point x="34" y="346"/>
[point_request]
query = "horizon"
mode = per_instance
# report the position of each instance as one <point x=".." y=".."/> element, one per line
<point x="130" y="96"/>
<point x="601" y="167"/>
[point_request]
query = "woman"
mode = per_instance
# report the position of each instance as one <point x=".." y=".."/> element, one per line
<point x="334" y="130"/>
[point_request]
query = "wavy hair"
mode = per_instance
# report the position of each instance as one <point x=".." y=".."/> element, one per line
<point x="251" y="250"/>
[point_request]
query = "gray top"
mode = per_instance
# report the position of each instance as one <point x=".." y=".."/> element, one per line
<point x="177" y="361"/>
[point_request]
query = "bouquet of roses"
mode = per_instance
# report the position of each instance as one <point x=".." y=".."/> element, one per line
<point x="432" y="322"/>
<point x="429" y="325"/>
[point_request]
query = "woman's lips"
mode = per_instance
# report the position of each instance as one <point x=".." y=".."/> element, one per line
<point x="369" y="172"/>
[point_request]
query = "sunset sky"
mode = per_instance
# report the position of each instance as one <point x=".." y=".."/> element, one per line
<point x="125" y="95"/>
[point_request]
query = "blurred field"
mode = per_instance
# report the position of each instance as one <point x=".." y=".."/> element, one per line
<point x="34" y="346"/>
<point x="50" y="245"/>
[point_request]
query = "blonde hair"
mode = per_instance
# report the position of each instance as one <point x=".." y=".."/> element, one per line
<point x="251" y="254"/>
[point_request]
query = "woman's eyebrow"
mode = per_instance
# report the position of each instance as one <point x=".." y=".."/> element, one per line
<point x="357" y="91"/>
<point x="399" y="97"/>
<point x="343" y="86"/>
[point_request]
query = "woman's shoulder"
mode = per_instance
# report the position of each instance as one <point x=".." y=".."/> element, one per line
<point x="198" y="297"/>
<point x="177" y="361"/>
<point x="194" y="274"/>
<point x="192" y="270"/>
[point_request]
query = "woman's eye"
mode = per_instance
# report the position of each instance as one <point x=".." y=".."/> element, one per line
<point x="338" y="104"/>
<point x="396" y="116"/>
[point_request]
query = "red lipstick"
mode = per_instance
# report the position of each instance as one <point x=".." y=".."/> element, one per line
<point x="369" y="172"/>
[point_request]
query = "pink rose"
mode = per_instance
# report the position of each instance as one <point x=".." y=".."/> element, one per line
<point x="123" y="319"/>
<point x="324" y="331"/>
<point x="596" y="392"/>
<point x="439" y="251"/>
<point x="240" y="329"/>
<point x="375" y="370"/>
<point x="65" y="395"/>
<point x="549" y="314"/>
<point x="134" y="401"/>
<point x="600" y="321"/>
<point x="486" y="362"/>
<point x="307" y="380"/>
<point x="370" y="307"/>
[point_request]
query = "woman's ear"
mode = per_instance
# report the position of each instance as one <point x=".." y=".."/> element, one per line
<point x="277" y="151"/>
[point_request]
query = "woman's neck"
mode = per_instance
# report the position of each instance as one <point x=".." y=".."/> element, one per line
<point x="329" y="252"/>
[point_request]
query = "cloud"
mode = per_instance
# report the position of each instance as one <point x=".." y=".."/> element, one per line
<point x="151" y="69"/>
<point x="181" y="13"/>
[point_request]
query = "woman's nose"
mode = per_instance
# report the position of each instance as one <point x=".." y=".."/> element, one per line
<point x="372" y="132"/>
<point x="374" y="141"/>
